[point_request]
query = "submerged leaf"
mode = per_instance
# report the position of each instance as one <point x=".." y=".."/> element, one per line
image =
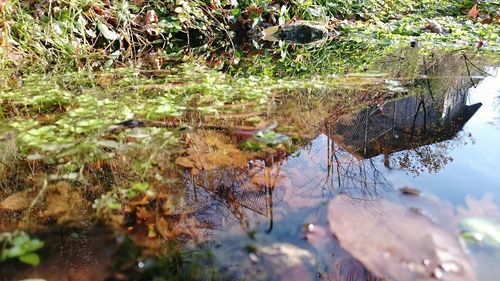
<point x="396" y="243"/>
<point x="410" y="191"/>
<point x="483" y="230"/>
<point x="31" y="259"/>
<point x="16" y="202"/>
<point x="64" y="203"/>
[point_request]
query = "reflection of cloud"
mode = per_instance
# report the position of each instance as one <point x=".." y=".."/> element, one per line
<point x="482" y="207"/>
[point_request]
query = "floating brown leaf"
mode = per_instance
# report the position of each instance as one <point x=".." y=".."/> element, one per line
<point x="410" y="191"/>
<point x="396" y="243"/>
<point x="184" y="162"/>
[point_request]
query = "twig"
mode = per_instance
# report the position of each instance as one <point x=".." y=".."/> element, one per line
<point x="467" y="60"/>
<point x="223" y="28"/>
<point x="38" y="197"/>
<point x="468" y="71"/>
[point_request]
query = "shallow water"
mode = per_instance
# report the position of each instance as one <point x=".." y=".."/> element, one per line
<point x="236" y="214"/>
<point x="450" y="161"/>
<point x="473" y="170"/>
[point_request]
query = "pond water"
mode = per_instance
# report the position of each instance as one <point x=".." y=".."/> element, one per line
<point x="412" y="162"/>
<point x="369" y="155"/>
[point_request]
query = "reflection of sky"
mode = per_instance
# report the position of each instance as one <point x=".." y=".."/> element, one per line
<point x="306" y="184"/>
<point x="475" y="169"/>
<point x="305" y="181"/>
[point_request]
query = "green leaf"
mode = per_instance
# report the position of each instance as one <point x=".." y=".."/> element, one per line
<point x="31" y="259"/>
<point x="33" y="245"/>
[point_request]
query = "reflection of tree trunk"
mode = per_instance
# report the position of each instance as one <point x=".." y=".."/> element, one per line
<point x="270" y="204"/>
<point x="337" y="162"/>
<point x="329" y="152"/>
<point x="353" y="176"/>
<point x="420" y="104"/>
<point x="387" y="161"/>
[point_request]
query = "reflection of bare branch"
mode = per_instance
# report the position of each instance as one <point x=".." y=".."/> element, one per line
<point x="230" y="192"/>
<point x="358" y="178"/>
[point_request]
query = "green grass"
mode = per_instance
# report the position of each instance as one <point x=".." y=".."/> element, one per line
<point x="89" y="34"/>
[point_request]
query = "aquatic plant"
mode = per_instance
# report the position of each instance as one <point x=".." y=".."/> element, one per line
<point x="19" y="245"/>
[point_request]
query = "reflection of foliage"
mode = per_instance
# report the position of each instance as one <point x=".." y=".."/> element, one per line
<point x="430" y="158"/>
<point x="21" y="246"/>
<point x="266" y="138"/>
<point x="109" y="201"/>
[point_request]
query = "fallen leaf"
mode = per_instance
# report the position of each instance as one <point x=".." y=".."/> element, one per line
<point x="396" y="243"/>
<point x="143" y="214"/>
<point x="151" y="17"/>
<point x="184" y="162"/>
<point x="473" y="12"/>
<point x="435" y="27"/>
<point x="64" y="203"/>
<point x="212" y="150"/>
<point x="486" y="21"/>
<point x="162" y="227"/>
<point x="270" y="31"/>
<point x="410" y="191"/>
<point x="16" y="202"/>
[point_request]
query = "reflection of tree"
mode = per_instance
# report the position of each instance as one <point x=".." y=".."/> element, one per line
<point x="348" y="175"/>
<point x="243" y="194"/>
<point x="233" y="194"/>
<point x="412" y="132"/>
<point x="430" y="158"/>
<point x="427" y="158"/>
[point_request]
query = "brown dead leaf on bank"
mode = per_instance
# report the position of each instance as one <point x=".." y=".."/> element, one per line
<point x="397" y="243"/>
<point x="143" y="214"/>
<point x="473" y="12"/>
<point x="16" y="202"/>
